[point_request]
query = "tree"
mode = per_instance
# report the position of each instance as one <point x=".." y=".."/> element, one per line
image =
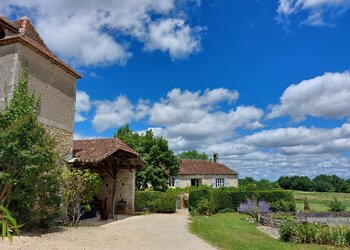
<point x="29" y="171"/>
<point x="193" y="155"/>
<point x="249" y="183"/>
<point x="80" y="186"/>
<point x="160" y="161"/>
<point x="302" y="183"/>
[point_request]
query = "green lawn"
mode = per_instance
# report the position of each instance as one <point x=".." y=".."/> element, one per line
<point x="233" y="231"/>
<point x="318" y="201"/>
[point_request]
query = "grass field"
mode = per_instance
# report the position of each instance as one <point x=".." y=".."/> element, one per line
<point x="233" y="231"/>
<point x="318" y="201"/>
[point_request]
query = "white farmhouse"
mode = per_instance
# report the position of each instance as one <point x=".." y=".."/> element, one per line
<point x="202" y="172"/>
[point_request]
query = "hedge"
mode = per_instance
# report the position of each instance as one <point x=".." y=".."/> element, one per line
<point x="155" y="201"/>
<point x="223" y="200"/>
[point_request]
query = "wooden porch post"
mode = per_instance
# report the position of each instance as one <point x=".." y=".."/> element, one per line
<point x="112" y="170"/>
<point x="114" y="187"/>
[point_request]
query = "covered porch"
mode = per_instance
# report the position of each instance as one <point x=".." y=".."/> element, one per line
<point x="116" y="163"/>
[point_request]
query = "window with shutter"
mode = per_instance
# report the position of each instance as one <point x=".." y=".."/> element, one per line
<point x="177" y="182"/>
<point x="213" y="182"/>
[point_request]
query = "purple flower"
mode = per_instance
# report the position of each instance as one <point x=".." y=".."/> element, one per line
<point x="247" y="207"/>
<point x="251" y="207"/>
<point x="264" y="207"/>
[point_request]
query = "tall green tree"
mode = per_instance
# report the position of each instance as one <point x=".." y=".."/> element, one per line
<point x="193" y="155"/>
<point x="160" y="161"/>
<point x="29" y="171"/>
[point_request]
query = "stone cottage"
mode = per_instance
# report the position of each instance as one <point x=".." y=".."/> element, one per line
<point x="203" y="172"/>
<point x="50" y="78"/>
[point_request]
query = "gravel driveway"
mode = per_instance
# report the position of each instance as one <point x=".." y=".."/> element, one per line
<point x="155" y="231"/>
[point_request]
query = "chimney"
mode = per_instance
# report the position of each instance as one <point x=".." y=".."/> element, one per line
<point x="215" y="157"/>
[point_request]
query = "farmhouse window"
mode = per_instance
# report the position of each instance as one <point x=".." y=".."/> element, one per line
<point x="220" y="182"/>
<point x="171" y="182"/>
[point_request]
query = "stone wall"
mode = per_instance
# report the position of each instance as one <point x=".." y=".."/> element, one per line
<point x="329" y="218"/>
<point x="185" y="180"/>
<point x="9" y="65"/>
<point x="63" y="139"/>
<point x="125" y="188"/>
<point x="55" y="87"/>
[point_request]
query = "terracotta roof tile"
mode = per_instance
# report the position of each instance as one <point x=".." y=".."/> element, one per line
<point x="27" y="35"/>
<point x="96" y="150"/>
<point x="203" y="167"/>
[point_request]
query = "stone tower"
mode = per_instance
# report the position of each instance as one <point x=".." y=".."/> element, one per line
<point x="49" y="78"/>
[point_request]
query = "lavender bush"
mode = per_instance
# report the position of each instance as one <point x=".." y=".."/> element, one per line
<point x="247" y="207"/>
<point x="252" y="207"/>
<point x="263" y="206"/>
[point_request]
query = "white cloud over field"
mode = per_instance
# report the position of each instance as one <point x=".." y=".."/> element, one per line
<point x="245" y="136"/>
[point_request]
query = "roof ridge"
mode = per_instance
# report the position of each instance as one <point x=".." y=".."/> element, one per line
<point x="27" y="29"/>
<point x="25" y="33"/>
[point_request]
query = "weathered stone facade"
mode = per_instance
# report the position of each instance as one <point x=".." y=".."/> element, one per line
<point x="48" y="80"/>
<point x="125" y="188"/>
<point x="63" y="139"/>
<point x="183" y="181"/>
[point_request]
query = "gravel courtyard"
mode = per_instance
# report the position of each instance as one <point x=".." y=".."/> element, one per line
<point x="155" y="231"/>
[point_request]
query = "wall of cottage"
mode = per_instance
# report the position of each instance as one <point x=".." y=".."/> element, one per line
<point x="125" y="188"/>
<point x="55" y="87"/>
<point x="63" y="139"/>
<point x="183" y="181"/>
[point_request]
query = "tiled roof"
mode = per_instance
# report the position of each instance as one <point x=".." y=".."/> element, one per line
<point x="25" y="33"/>
<point x="203" y="167"/>
<point x="96" y="150"/>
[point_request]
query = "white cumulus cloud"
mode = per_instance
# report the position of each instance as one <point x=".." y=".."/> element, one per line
<point x="112" y="114"/>
<point x="326" y="96"/>
<point x="82" y="105"/>
<point x="89" y="33"/>
<point x="319" y="12"/>
<point x="173" y="36"/>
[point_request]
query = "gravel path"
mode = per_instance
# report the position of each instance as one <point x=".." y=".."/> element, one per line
<point x="155" y="231"/>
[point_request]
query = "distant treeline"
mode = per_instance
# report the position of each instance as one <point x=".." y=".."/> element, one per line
<point x="321" y="183"/>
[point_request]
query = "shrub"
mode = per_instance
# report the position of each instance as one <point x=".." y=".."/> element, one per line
<point x="195" y="196"/>
<point x="79" y="188"/>
<point x="347" y="237"/>
<point x="283" y="206"/>
<point x="263" y="206"/>
<point x="155" y="202"/>
<point x="336" y="206"/>
<point x="289" y="230"/>
<point x="166" y="203"/>
<point x="205" y="207"/>
<point x="222" y="200"/>
<point x="248" y="207"/>
<point x="297" y="232"/>
<point x="253" y="208"/>
<point x="227" y="199"/>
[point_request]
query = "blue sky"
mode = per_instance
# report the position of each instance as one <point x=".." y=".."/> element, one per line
<point x="263" y="83"/>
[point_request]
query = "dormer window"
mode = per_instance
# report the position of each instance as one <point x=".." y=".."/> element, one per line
<point x="2" y="32"/>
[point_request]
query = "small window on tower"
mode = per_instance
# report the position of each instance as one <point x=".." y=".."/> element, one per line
<point x="2" y="32"/>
